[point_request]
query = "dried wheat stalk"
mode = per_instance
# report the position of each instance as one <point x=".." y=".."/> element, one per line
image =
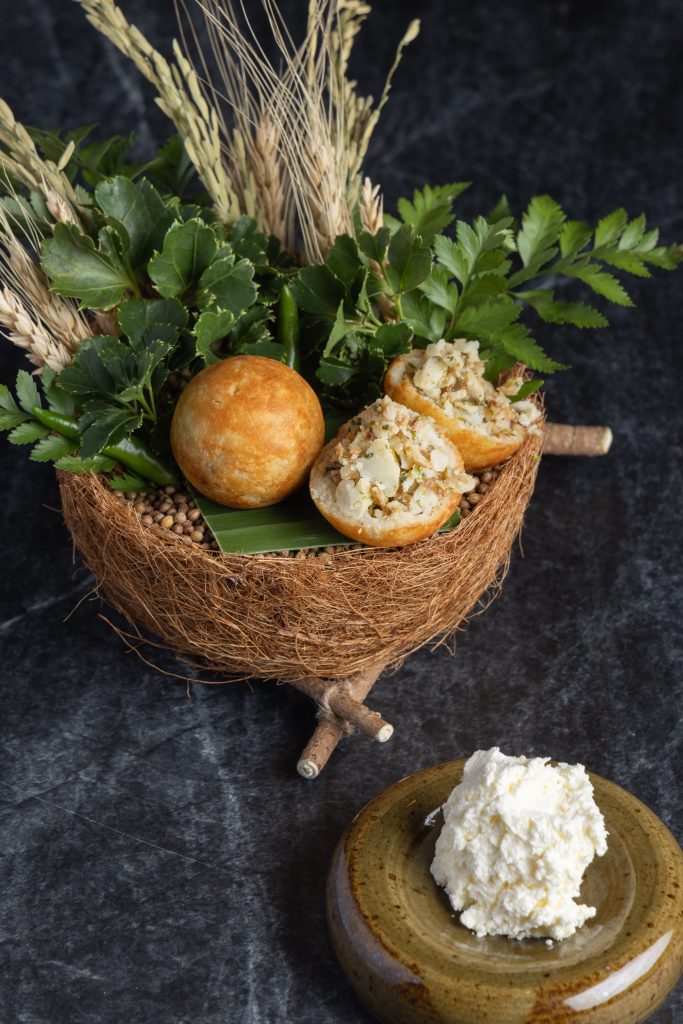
<point x="180" y="96"/>
<point x="48" y="326"/>
<point x="21" y="160"/>
<point x="371" y="207"/>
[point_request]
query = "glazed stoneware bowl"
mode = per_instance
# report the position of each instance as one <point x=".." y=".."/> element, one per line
<point x="411" y="961"/>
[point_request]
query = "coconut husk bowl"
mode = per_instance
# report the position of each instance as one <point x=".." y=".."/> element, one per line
<point x="327" y="626"/>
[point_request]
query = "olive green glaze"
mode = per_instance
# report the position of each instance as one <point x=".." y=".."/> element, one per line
<point x="412" y="962"/>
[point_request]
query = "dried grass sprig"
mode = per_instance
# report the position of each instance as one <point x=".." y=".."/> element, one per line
<point x="359" y="114"/>
<point x="20" y="160"/>
<point x="180" y="96"/>
<point x="305" y="158"/>
<point x="46" y="325"/>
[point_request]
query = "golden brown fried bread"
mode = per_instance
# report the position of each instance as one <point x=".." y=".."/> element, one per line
<point x="389" y="478"/>
<point x="446" y="381"/>
<point x="246" y="431"/>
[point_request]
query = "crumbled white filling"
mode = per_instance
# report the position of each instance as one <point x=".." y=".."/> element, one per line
<point x="392" y="460"/>
<point x="451" y="374"/>
<point x="517" y="839"/>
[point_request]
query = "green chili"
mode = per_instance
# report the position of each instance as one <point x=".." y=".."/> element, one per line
<point x="288" y="327"/>
<point x="130" y="452"/>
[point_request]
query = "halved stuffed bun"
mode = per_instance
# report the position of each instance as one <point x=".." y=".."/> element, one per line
<point x="389" y="478"/>
<point x="446" y="381"/>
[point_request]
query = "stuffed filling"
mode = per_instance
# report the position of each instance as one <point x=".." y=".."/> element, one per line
<point x="451" y="374"/>
<point x="391" y="462"/>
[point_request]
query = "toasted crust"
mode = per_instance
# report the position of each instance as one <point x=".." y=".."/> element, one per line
<point x="478" y="451"/>
<point x="246" y="431"/>
<point x="382" y="533"/>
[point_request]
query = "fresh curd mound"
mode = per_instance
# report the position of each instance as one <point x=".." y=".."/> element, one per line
<point x="517" y="838"/>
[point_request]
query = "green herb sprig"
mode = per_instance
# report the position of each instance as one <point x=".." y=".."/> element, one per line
<point x="409" y="285"/>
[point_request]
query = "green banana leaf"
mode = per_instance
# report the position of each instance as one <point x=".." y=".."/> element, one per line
<point x="293" y="524"/>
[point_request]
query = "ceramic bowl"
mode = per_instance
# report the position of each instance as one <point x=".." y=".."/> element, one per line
<point x="412" y="962"/>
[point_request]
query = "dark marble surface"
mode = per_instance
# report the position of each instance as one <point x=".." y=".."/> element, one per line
<point x="161" y="862"/>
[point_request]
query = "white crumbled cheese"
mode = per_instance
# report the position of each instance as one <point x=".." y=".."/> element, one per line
<point x="517" y="838"/>
<point x="451" y="374"/>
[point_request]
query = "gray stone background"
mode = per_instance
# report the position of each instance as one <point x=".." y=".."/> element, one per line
<point x="161" y="862"/>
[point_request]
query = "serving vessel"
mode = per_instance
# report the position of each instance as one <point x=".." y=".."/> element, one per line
<point x="411" y="961"/>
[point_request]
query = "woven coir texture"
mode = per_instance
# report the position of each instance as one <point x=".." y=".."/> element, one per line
<point x="282" y="618"/>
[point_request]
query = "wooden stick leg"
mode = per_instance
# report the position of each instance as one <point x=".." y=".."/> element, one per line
<point x="563" y="439"/>
<point x="328" y="733"/>
<point x="319" y="748"/>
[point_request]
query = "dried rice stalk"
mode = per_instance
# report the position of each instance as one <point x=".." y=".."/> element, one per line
<point x="22" y="161"/>
<point x="48" y="326"/>
<point x="180" y="97"/>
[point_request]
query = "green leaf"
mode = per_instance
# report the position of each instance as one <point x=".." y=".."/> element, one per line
<point x="480" y="289"/>
<point x="610" y="227"/>
<point x="576" y="313"/>
<point x="211" y="327"/>
<point x="633" y="233"/>
<point x="187" y="251"/>
<point x="56" y="397"/>
<point x="27" y="392"/>
<point x="340" y="329"/>
<point x="78" y="270"/>
<point x="51" y="448"/>
<point x="517" y="342"/>
<point x="602" y="283"/>
<point x="375" y="246"/>
<point x="74" y="464"/>
<point x="27" y="433"/>
<point x="334" y="372"/>
<point x="426" y="320"/>
<point x="139" y="208"/>
<point x="630" y="262"/>
<point x="10" y="413"/>
<point x="451" y="256"/>
<point x="488" y="319"/>
<point x="227" y="285"/>
<point x="541" y="227"/>
<point x="497" y="362"/>
<point x="392" y="340"/>
<point x="7" y="401"/>
<point x="318" y="291"/>
<point x="431" y="209"/>
<point x="344" y="260"/>
<point x="103" y="424"/>
<point x="145" y="320"/>
<point x="409" y="261"/>
<point x="101" y="366"/>
<point x="265" y="347"/>
<point x="527" y="388"/>
<point x="439" y="290"/>
<point x="500" y="211"/>
<point x="574" y="237"/>
<point x="451" y="521"/>
<point x="127" y="482"/>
